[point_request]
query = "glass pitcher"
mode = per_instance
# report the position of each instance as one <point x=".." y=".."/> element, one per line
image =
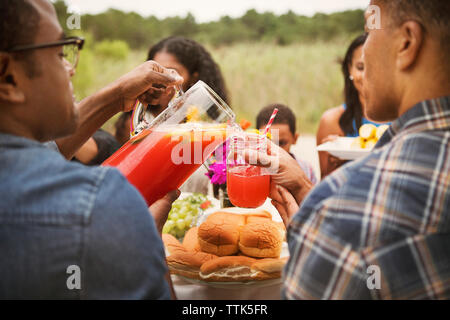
<point x="163" y="153"/>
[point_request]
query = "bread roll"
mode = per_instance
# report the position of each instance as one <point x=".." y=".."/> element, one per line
<point x="260" y="213"/>
<point x="251" y="219"/>
<point x="282" y="229"/>
<point x="227" y="269"/>
<point x="261" y="239"/>
<point x="238" y="219"/>
<point x="171" y="244"/>
<point x="268" y="268"/>
<point x="190" y="241"/>
<point x="219" y="234"/>
<point x="188" y="263"/>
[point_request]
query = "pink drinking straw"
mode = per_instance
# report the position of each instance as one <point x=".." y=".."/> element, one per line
<point x="272" y="117"/>
<point x="269" y="124"/>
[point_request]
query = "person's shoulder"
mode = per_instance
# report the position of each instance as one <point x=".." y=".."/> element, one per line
<point x="423" y="149"/>
<point x="89" y="184"/>
<point x="40" y="182"/>
<point x="329" y="122"/>
<point x="333" y="114"/>
<point x="116" y="194"/>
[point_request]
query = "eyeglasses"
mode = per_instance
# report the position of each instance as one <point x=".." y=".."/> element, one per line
<point x="71" y="48"/>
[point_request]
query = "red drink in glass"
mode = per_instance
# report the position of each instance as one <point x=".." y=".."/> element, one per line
<point x="160" y="160"/>
<point x="247" y="186"/>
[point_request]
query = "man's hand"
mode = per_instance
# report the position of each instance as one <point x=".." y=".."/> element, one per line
<point x="284" y="202"/>
<point x="148" y="83"/>
<point x="286" y="172"/>
<point x="161" y="208"/>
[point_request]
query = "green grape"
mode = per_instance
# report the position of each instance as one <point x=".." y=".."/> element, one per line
<point x="174" y="216"/>
<point x="168" y="226"/>
<point x="182" y="213"/>
<point x="176" y="205"/>
<point x="165" y="229"/>
<point x="181" y="224"/>
<point x="188" y="220"/>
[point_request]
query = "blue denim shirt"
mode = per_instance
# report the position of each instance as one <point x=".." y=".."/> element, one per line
<point x="55" y="214"/>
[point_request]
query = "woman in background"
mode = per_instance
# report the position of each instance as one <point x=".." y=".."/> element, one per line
<point x="192" y="61"/>
<point x="345" y="119"/>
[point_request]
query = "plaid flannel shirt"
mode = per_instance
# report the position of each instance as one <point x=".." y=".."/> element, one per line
<point x="387" y="214"/>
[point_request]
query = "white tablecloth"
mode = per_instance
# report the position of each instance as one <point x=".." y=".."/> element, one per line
<point x="186" y="290"/>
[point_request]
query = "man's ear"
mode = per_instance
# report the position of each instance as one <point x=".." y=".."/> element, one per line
<point x="296" y="135"/>
<point x="411" y="42"/>
<point x="10" y="93"/>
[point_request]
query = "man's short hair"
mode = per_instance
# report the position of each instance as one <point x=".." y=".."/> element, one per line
<point x="19" y="22"/>
<point x="433" y="15"/>
<point x="284" y="116"/>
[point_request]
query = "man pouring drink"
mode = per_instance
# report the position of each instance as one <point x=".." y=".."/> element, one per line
<point x="389" y="209"/>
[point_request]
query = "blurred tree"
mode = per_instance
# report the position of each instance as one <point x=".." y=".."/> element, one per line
<point x="112" y="49"/>
<point x="141" y="32"/>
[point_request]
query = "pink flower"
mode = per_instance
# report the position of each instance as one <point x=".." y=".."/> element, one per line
<point x="218" y="170"/>
<point x="217" y="173"/>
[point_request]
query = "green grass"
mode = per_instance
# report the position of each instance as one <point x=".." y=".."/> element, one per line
<point x="305" y="77"/>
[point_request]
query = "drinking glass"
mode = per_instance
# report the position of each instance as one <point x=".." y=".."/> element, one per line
<point x="248" y="185"/>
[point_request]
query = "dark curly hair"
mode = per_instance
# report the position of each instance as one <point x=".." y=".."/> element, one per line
<point x="195" y="58"/>
<point x="354" y="108"/>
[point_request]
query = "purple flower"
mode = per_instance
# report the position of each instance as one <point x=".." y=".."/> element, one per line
<point x="217" y="173"/>
<point x="218" y="170"/>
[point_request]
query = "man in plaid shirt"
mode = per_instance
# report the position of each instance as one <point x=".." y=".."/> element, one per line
<point x="379" y="228"/>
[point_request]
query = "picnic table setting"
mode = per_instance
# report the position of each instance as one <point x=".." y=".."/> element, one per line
<point x="229" y="243"/>
<point x="264" y="150"/>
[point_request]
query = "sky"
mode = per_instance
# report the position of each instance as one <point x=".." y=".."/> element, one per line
<point x="210" y="10"/>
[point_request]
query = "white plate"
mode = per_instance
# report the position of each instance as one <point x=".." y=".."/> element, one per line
<point x="341" y="148"/>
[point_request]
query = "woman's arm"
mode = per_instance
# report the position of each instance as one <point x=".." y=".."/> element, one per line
<point x="329" y="129"/>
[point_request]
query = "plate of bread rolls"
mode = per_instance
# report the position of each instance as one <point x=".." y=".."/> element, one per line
<point x="230" y="247"/>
